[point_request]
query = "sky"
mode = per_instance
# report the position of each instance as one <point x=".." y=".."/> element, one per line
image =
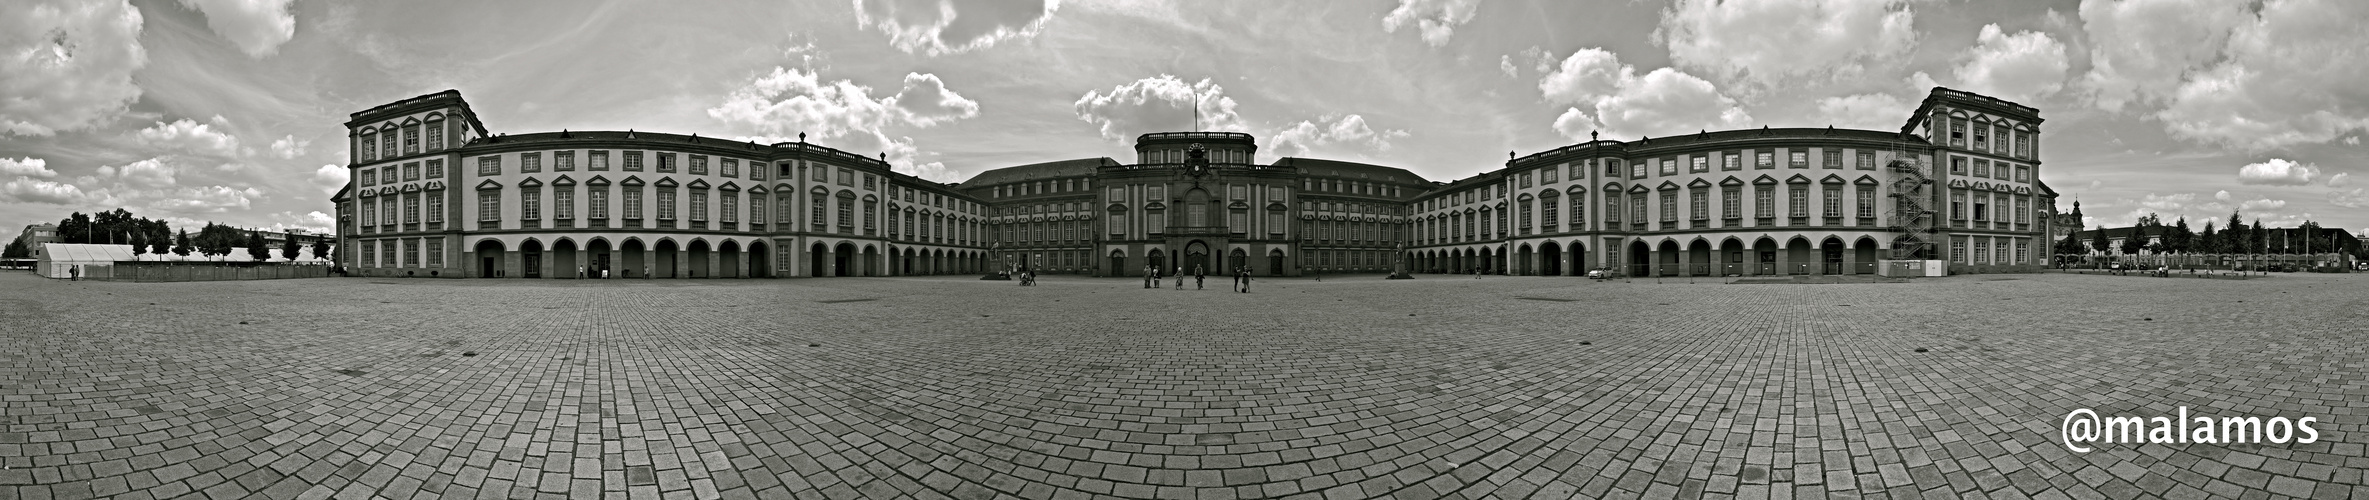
<point x="231" y="110"/>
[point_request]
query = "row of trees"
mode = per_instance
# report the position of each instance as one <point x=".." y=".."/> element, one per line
<point x="2151" y="236"/>
<point x="146" y="236"/>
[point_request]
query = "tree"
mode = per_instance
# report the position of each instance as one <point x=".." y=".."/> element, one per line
<point x="139" y="243"/>
<point x="2234" y="238"/>
<point x="217" y="240"/>
<point x="2135" y="241"/>
<point x="2208" y="242"/>
<point x="256" y="247"/>
<point x="160" y="237"/>
<point x="75" y="229"/>
<point x="2071" y="245"/>
<point x="16" y="250"/>
<point x="2180" y="239"/>
<point x="181" y="244"/>
<point x="321" y="249"/>
<point x="291" y="249"/>
<point x="2098" y="243"/>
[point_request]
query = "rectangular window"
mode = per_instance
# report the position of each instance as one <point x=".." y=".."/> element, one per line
<point x="2020" y="251"/>
<point x="1867" y="160"/>
<point x="1982" y="137"/>
<point x="530" y="204"/>
<point x="489" y="165"/>
<point x="698" y="164"/>
<point x="1797" y="201"/>
<point x="666" y="163"/>
<point x="563" y="203"/>
<point x="1637" y="214"/>
<point x="1701" y="164"/>
<point x="1982" y="168"/>
<point x="633" y="202"/>
<point x="411" y="171"/>
<point x="411" y="139"/>
<point x="1547" y="211"/>
<point x="1957" y="132"/>
<point x="846" y="177"/>
<point x="435" y="207"/>
<point x="489" y="206"/>
<point x="1957" y="251"/>
<point x="1765" y="160"/>
<point x="597" y="161"/>
<point x="435" y="169"/>
<point x="666" y="204"/>
<point x="756" y="170"/>
<point x="1834" y="158"/>
<point x="847" y="213"/>
<point x="729" y="212"/>
<point x="1799" y="158"/>
<point x="1669" y="167"/>
<point x="1764" y="199"/>
<point x="785" y="208"/>
<point x="1982" y="250"/>
<point x="529" y="163"/>
<point x="435" y="245"/>
<point x="1957" y="166"/>
<point x="1957" y="206"/>
<point x="388" y="143"/>
<point x="1731" y="161"/>
<point x="1701" y="204"/>
<point x="1866" y="204"/>
<point x="633" y="161"/>
<point x="411" y="252"/>
<point x="369" y="147"/>
<point x="1579" y="212"/>
<point x="597" y="203"/>
<point x="2023" y="145"/>
<point x="1611" y="208"/>
<point x="731" y="167"/>
<point x="2001" y="256"/>
<point x="1982" y="205"/>
<point x="563" y="161"/>
<point x="699" y="206"/>
<point x="1547" y="175"/>
<point x="387" y="207"/>
<point x="369" y="177"/>
<point x="436" y="135"/>
<point x="1834" y="204"/>
<point x="1731" y="203"/>
<point x="2023" y="210"/>
<point x="411" y="209"/>
<point x="386" y="175"/>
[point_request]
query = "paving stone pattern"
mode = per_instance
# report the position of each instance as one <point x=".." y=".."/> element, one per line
<point x="1353" y="387"/>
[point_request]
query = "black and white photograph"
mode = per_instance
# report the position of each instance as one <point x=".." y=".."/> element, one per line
<point x="972" y="249"/>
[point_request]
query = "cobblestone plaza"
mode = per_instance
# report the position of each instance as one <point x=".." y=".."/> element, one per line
<point x="1351" y="387"/>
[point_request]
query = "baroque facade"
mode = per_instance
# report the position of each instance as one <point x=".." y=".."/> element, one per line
<point x="435" y="194"/>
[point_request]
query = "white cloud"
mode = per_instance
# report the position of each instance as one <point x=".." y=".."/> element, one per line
<point x="30" y="190"/>
<point x="1436" y="19"/>
<point x="2286" y="77"/>
<point x="1864" y="111"/>
<point x="2262" y="204"/>
<point x="932" y="171"/>
<point x="186" y="136"/>
<point x="68" y="64"/>
<point x="331" y="177"/>
<point x="26" y="167"/>
<point x="1298" y="138"/>
<point x="289" y="147"/>
<point x="2339" y="180"/>
<point x="2140" y="51"/>
<point x="2022" y="67"/>
<point x="1663" y="102"/>
<point x="1161" y="103"/>
<point x="2355" y="198"/>
<point x="2352" y="141"/>
<point x="1762" y="44"/>
<point x="790" y="101"/>
<point x="2166" y="203"/>
<point x="2277" y="172"/>
<point x="257" y="27"/>
<point x="938" y="27"/>
<point x="151" y="173"/>
<point x="209" y="199"/>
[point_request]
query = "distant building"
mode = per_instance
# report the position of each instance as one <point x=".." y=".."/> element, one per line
<point x="2282" y="240"/>
<point x="35" y="235"/>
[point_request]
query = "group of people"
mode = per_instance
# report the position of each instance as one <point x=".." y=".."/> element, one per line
<point x="1151" y="278"/>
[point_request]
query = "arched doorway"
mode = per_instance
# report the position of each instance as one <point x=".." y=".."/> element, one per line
<point x="1666" y="261"/>
<point x="1118" y="264"/>
<point x="1522" y="258"/>
<point x="563" y="258"/>
<point x="760" y="265"/>
<point x="871" y="260"/>
<point x="728" y="259"/>
<point x="1731" y="258"/>
<point x="664" y="267"/>
<point x="904" y="261"/>
<point x="1551" y="259"/>
<point x="489" y="258"/>
<point x="530" y="258"/>
<point x="697" y="257"/>
<point x="1196" y="258"/>
<point x="818" y="261"/>
<point x="601" y="259"/>
<point x="1158" y="261"/>
<point x="1640" y="259"/>
<point x="1579" y="258"/>
<point x="1764" y="258"/>
<point x="1800" y="257"/>
<point x="1237" y="260"/>
<point x="1830" y="256"/>
<point x="1698" y="258"/>
<point x="636" y="259"/>
<point x="841" y="258"/>
<point x="1866" y="250"/>
<point x="1275" y="262"/>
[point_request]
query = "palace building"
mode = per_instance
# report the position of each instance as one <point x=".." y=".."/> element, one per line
<point x="435" y="194"/>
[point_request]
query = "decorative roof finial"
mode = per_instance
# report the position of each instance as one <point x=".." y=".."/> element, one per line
<point x="1591" y="136"/>
<point x="801" y="137"/>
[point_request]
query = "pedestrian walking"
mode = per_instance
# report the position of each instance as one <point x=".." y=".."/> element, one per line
<point x="1180" y="277"/>
<point x="579" y="272"/>
<point x="1198" y="275"/>
<point x="1245" y="280"/>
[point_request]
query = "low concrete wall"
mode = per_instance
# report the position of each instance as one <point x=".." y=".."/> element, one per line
<point x="203" y="271"/>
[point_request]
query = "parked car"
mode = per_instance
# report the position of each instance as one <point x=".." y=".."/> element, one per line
<point x="1600" y="273"/>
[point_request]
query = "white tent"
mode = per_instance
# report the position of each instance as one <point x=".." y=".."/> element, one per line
<point x="59" y="259"/>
